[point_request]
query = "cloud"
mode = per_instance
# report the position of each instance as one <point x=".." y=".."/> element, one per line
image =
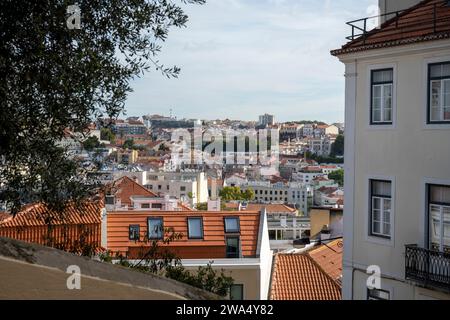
<point x="241" y="58"/>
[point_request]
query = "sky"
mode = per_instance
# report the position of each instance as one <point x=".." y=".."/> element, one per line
<point x="243" y="58"/>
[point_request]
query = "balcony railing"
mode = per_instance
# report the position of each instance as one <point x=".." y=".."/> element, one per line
<point x="427" y="267"/>
<point x="428" y="17"/>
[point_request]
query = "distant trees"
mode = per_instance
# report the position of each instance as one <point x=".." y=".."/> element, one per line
<point x="128" y="144"/>
<point x="236" y="194"/>
<point x="107" y="134"/>
<point x="91" y="143"/>
<point x="337" y="148"/>
<point x="321" y="159"/>
<point x="337" y="176"/>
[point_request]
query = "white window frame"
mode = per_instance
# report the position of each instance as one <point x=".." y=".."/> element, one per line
<point x="441" y="102"/>
<point x="382" y="104"/>
<point x="371" y="125"/>
<point x="368" y="223"/>
<point x="382" y="221"/>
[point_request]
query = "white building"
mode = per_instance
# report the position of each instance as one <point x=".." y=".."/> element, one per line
<point x="308" y="130"/>
<point x="290" y="193"/>
<point x="189" y="187"/>
<point x="321" y="146"/>
<point x="397" y="157"/>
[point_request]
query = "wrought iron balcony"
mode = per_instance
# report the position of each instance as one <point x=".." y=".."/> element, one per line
<point x="427" y="267"/>
<point x="432" y="16"/>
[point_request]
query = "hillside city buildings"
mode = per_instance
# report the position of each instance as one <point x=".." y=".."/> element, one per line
<point x="283" y="207"/>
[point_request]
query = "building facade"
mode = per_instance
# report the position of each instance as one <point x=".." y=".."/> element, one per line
<point x="397" y="173"/>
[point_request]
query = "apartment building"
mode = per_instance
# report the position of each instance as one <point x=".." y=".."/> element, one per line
<point x="397" y="159"/>
<point x="129" y="128"/>
<point x="236" y="242"/>
<point x="293" y="193"/>
<point x="322" y="130"/>
<point x="266" y="120"/>
<point x="321" y="145"/>
<point x="191" y="187"/>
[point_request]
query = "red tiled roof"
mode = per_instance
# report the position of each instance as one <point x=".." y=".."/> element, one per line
<point x="124" y="188"/>
<point x="298" y="277"/>
<point x="75" y="225"/>
<point x="414" y="25"/>
<point x="329" y="259"/>
<point x="4" y="215"/>
<point x="212" y="246"/>
<point x="38" y="214"/>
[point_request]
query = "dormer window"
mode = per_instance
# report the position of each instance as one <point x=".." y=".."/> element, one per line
<point x="232" y="225"/>
<point x="195" y="228"/>
<point x="134" y="232"/>
<point x="155" y="228"/>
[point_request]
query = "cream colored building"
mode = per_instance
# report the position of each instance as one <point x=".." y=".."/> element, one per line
<point x="397" y="157"/>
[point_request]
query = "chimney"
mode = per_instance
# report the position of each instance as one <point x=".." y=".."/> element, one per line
<point x="213" y="189"/>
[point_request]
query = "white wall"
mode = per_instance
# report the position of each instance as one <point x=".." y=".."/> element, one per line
<point x="408" y="152"/>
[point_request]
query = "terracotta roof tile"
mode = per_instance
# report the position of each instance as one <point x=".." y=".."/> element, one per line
<point x="4" y="215"/>
<point x="211" y="246"/>
<point x="124" y="188"/>
<point x="35" y="215"/>
<point x="74" y="224"/>
<point x="298" y="277"/>
<point x="329" y="258"/>
<point x="414" y="25"/>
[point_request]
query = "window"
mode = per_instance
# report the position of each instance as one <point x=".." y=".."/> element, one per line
<point x="182" y="188"/>
<point x="145" y="206"/>
<point x="110" y="200"/>
<point x="380" y="208"/>
<point x="382" y="84"/>
<point x="272" y="235"/>
<point x="155" y="228"/>
<point x="439" y="93"/>
<point x="378" y="294"/>
<point x="439" y="217"/>
<point x="157" y="206"/>
<point x="232" y="247"/>
<point x="237" y="292"/>
<point x="195" y="228"/>
<point x="159" y="187"/>
<point x="133" y="232"/>
<point x="231" y="224"/>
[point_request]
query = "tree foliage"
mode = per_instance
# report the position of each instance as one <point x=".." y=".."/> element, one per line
<point x="337" y="148"/>
<point x="337" y="176"/>
<point x="54" y="79"/>
<point x="107" y="134"/>
<point x="91" y="143"/>
<point x="236" y="194"/>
